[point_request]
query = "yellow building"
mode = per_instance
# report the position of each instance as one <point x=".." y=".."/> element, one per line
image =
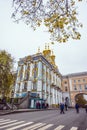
<point x="74" y="84"/>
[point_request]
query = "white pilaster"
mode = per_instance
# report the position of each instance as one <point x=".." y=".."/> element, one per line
<point x="18" y="70"/>
<point x="29" y="85"/>
<point x="52" y="76"/>
<point x="39" y="70"/>
<point x="56" y="96"/>
<point x="70" y="82"/>
<point x="16" y="87"/>
<point x="39" y="85"/>
<point x="53" y="97"/>
<point x="31" y="70"/>
<point x="22" y="85"/>
<point x="49" y="94"/>
<point x="24" y="68"/>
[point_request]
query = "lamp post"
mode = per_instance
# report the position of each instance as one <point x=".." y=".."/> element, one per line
<point x="12" y="97"/>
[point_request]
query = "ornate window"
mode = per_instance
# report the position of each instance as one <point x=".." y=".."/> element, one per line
<point x="75" y="88"/>
<point x="74" y="81"/>
<point x="83" y="80"/>
<point x="80" y="87"/>
<point x="85" y="86"/>
<point x="79" y="80"/>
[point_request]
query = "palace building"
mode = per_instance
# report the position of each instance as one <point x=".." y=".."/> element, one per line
<point x="38" y="74"/>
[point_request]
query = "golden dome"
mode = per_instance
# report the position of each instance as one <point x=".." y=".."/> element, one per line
<point x="52" y="58"/>
<point x="47" y="51"/>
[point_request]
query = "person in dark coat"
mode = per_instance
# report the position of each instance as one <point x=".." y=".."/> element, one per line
<point x="66" y="106"/>
<point x="62" y="108"/>
<point x="86" y="108"/>
<point x="77" y="107"/>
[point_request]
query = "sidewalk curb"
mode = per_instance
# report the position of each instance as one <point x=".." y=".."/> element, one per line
<point x="21" y="111"/>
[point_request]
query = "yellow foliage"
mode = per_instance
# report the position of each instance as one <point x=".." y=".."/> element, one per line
<point x="72" y="3"/>
<point x="73" y="17"/>
<point x="78" y="35"/>
<point x="73" y="12"/>
<point x="46" y="24"/>
<point x="38" y="23"/>
<point x="34" y="3"/>
<point x="52" y="42"/>
<point x="51" y="30"/>
<point x="25" y="12"/>
<point x="64" y="40"/>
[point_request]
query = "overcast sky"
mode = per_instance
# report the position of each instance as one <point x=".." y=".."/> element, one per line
<point x="20" y="40"/>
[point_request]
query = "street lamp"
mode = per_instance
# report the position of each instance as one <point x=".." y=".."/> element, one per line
<point x="12" y="97"/>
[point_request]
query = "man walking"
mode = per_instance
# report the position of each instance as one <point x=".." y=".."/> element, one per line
<point x="86" y="108"/>
<point x="62" y="108"/>
<point x="77" y="107"/>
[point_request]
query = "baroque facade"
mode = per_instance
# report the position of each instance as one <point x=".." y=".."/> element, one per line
<point x="39" y="75"/>
<point x="74" y="84"/>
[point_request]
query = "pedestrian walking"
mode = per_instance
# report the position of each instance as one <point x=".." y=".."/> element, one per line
<point x="77" y="107"/>
<point x="62" y="108"/>
<point x="66" y="106"/>
<point x="86" y="108"/>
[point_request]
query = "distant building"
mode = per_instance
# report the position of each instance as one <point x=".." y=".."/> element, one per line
<point x="74" y="84"/>
<point x="39" y="75"/>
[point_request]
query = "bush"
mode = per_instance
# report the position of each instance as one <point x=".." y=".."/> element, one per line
<point x="15" y="100"/>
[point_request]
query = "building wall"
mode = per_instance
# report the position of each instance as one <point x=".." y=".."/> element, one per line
<point x="74" y="84"/>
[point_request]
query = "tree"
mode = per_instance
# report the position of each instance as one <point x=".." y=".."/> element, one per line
<point x="81" y="100"/>
<point x="59" y="16"/>
<point x="6" y="76"/>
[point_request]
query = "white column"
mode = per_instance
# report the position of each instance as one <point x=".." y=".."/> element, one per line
<point x="31" y="70"/>
<point x="39" y="88"/>
<point x="29" y="85"/>
<point x="40" y="70"/>
<point x="52" y="76"/>
<point x="24" y="67"/>
<point x="49" y="94"/>
<point x="22" y="86"/>
<point x="39" y="85"/>
<point x="56" y="96"/>
<point x="18" y="70"/>
<point x="44" y="79"/>
<point x="39" y="82"/>
<point x="59" y="97"/>
<point x="70" y="82"/>
<point x="53" y="96"/>
<point x="16" y="88"/>
<point x="44" y="88"/>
